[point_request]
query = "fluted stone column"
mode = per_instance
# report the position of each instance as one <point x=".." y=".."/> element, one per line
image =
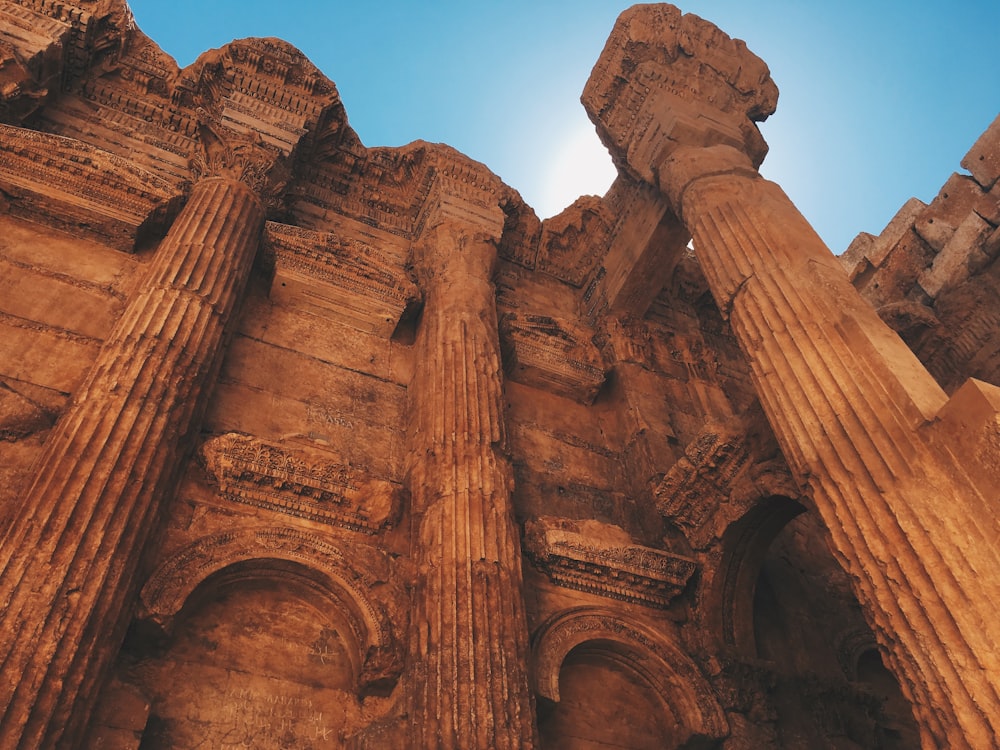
<point x="69" y="564"/>
<point x="855" y="412"/>
<point x="849" y="404"/>
<point x="469" y="642"/>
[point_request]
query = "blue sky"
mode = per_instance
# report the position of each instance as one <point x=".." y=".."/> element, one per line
<point x="880" y="99"/>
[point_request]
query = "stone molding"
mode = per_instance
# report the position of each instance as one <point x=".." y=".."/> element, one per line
<point x="554" y="354"/>
<point x="300" y="483"/>
<point x="81" y="189"/>
<point x="346" y="277"/>
<point x="685" y="693"/>
<point x="327" y="566"/>
<point x="592" y="563"/>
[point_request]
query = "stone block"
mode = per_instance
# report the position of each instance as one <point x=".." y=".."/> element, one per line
<point x="983" y="159"/>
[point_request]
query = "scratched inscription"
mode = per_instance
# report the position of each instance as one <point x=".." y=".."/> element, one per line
<point x="258" y="719"/>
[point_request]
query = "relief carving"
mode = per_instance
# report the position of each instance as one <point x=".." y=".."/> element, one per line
<point x="582" y="556"/>
<point x="554" y="354"/>
<point x="301" y="483"/>
<point x="346" y="276"/>
<point x="83" y="190"/>
<point x="694" y="489"/>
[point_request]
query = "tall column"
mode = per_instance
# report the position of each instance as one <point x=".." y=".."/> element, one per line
<point x="469" y="633"/>
<point x="70" y="562"/>
<point x="851" y="406"/>
<point x="849" y="403"/>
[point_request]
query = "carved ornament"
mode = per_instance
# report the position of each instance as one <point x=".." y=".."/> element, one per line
<point x="724" y="473"/>
<point x="83" y="190"/>
<point x="593" y="562"/>
<point x="343" y="277"/>
<point x="300" y="483"/>
<point x="553" y="354"/>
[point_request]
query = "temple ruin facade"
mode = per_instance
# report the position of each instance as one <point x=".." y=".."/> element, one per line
<point x="306" y="444"/>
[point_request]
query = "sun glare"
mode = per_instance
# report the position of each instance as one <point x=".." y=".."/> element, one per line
<point x="579" y="166"/>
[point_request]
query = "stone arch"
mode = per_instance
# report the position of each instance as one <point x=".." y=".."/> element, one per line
<point x="276" y="552"/>
<point x="744" y="545"/>
<point x="679" y="685"/>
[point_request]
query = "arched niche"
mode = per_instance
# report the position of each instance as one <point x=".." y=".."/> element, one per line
<point x="601" y="647"/>
<point x="863" y="664"/>
<point x="744" y="546"/>
<point x="304" y="560"/>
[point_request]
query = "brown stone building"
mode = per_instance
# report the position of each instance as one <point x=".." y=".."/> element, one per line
<point x="312" y="445"/>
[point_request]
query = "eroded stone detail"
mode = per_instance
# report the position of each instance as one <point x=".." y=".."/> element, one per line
<point x="554" y="354"/>
<point x="588" y="557"/>
<point x="298" y="482"/>
<point x="346" y="277"/>
<point x="81" y="189"/>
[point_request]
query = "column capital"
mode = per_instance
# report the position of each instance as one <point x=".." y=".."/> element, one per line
<point x="240" y="158"/>
<point x="667" y="81"/>
<point x="461" y="220"/>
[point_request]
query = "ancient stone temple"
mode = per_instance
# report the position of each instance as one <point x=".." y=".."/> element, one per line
<point x="307" y="444"/>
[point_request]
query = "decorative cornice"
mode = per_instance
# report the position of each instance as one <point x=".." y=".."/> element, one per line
<point x="83" y="190"/>
<point x="255" y="472"/>
<point x="694" y="489"/>
<point x="618" y="570"/>
<point x="343" y="277"/>
<point x="553" y="354"/>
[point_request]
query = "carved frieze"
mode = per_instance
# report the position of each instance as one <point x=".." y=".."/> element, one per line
<point x="700" y="482"/>
<point x="347" y="278"/>
<point x="300" y="483"/>
<point x="31" y="59"/>
<point x="554" y="354"/>
<point x="604" y="562"/>
<point x="574" y="242"/>
<point x="81" y="189"/>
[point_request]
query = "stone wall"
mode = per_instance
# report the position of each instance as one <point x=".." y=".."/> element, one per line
<point x="311" y="445"/>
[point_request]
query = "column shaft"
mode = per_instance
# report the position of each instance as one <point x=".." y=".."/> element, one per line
<point x="469" y="630"/>
<point x="70" y="562"/>
<point x="850" y="405"/>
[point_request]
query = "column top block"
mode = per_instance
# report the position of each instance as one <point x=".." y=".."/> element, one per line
<point x="666" y="79"/>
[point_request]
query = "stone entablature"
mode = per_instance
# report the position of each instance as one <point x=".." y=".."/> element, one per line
<point x="81" y="189"/>
<point x="603" y="563"/>
<point x="553" y="354"/>
<point x="298" y="482"/>
<point x="349" y="278"/>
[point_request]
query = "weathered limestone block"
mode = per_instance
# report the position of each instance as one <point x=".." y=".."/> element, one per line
<point x="983" y="159"/>
<point x="301" y="482"/>
<point x="643" y="247"/>
<point x="32" y="57"/>
<point x="699" y="484"/>
<point x="83" y="190"/>
<point x="956" y="259"/>
<point x="959" y="197"/>
<point x="867" y="250"/>
<point x="347" y="278"/>
<point x="572" y="242"/>
<point x="553" y="354"/>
